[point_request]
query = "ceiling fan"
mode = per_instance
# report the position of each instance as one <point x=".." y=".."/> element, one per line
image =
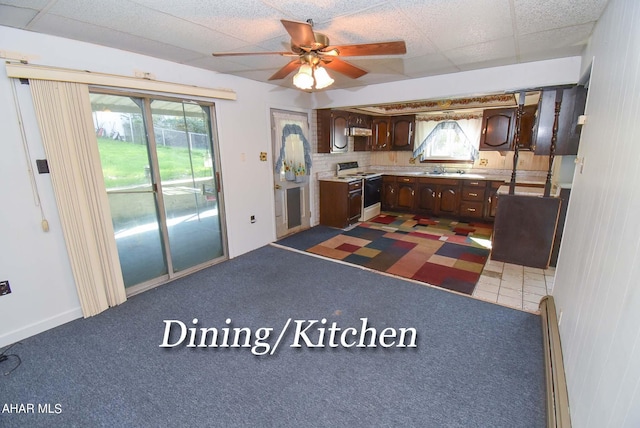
<point x="313" y="52"/>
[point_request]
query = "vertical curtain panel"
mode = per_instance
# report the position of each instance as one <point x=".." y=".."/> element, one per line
<point x="63" y="111"/>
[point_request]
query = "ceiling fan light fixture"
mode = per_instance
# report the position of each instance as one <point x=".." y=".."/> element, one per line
<point x="322" y="78"/>
<point x="304" y="77"/>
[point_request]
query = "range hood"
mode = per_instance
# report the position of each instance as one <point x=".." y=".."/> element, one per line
<point x="360" y="132"/>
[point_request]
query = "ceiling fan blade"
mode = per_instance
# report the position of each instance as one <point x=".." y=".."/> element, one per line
<point x="251" y="53"/>
<point x="301" y="32"/>
<point x="384" y="48"/>
<point x="284" y="71"/>
<point x="345" y="68"/>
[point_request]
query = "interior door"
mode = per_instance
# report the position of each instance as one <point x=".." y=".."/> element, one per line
<point x="292" y="164"/>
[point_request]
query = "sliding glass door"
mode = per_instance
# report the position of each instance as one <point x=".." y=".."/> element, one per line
<point x="159" y="168"/>
<point x="189" y="189"/>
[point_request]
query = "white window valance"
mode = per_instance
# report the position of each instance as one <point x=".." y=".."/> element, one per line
<point x="39" y="72"/>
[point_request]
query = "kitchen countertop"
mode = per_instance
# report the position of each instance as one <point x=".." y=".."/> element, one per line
<point x="338" y="179"/>
<point x="525" y="179"/>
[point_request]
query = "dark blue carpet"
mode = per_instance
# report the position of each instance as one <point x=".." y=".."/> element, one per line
<point x="476" y="364"/>
<point x="310" y="237"/>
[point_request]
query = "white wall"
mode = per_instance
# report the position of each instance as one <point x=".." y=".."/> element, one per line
<point x="36" y="264"/>
<point x="597" y="287"/>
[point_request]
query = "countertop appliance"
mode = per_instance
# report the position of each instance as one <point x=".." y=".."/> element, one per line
<point x="371" y="187"/>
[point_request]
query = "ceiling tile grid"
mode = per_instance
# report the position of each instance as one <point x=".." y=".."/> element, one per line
<point x="442" y="36"/>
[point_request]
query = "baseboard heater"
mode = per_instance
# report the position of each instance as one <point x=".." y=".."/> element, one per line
<point x="556" y="383"/>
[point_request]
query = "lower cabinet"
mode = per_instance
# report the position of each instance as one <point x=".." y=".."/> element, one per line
<point x="492" y="199"/>
<point x="448" y="197"/>
<point x="406" y="193"/>
<point x="340" y="203"/>
<point x="389" y="192"/>
<point x="438" y="196"/>
<point x="473" y="198"/>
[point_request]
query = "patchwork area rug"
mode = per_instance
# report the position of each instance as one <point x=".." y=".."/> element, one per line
<point x="440" y="252"/>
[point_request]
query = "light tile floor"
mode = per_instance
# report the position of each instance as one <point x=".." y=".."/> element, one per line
<point x="519" y="287"/>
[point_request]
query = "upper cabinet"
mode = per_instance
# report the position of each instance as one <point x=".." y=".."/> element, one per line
<point x="402" y="132"/>
<point x="332" y="131"/>
<point x="361" y="143"/>
<point x="381" y="133"/>
<point x="527" y="123"/>
<point x="498" y="126"/>
<point x="388" y="132"/>
<point x="572" y="106"/>
<point x="498" y="129"/>
<point x="393" y="132"/>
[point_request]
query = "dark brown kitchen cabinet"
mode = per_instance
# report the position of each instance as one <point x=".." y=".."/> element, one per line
<point x="402" y="132"/>
<point x="389" y="192"/>
<point x="527" y="123"/>
<point x="340" y="203"/>
<point x="571" y="107"/>
<point x="498" y="127"/>
<point x="361" y="143"/>
<point x="332" y="128"/>
<point x="359" y="120"/>
<point x="381" y="137"/>
<point x="472" y="199"/>
<point x="439" y="196"/>
<point x="406" y="193"/>
<point x="339" y="135"/>
<point x="323" y="130"/>
<point x="492" y="199"/>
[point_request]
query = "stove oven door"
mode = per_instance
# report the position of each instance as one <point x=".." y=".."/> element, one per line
<point x="372" y="191"/>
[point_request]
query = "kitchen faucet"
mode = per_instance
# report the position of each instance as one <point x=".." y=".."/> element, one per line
<point x="440" y="169"/>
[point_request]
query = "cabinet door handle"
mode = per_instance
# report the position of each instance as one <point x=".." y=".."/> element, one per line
<point x="471" y="210"/>
<point x="433" y="194"/>
<point x="489" y="199"/>
<point x="440" y="195"/>
<point x="474" y="183"/>
<point x="413" y="192"/>
<point x="473" y="194"/>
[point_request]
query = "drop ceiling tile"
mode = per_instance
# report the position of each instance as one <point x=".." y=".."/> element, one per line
<point x="451" y="24"/>
<point x="249" y="20"/>
<point x="377" y="24"/>
<point x="568" y="37"/>
<point x="426" y="65"/>
<point x="125" y="16"/>
<point x="540" y="15"/>
<point x="63" y="27"/>
<point x="30" y="4"/>
<point x="16" y="16"/>
<point x="320" y="11"/>
<point x="497" y="50"/>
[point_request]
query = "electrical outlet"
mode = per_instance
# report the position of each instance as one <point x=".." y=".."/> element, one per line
<point x="4" y="288"/>
<point x="252" y="219"/>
